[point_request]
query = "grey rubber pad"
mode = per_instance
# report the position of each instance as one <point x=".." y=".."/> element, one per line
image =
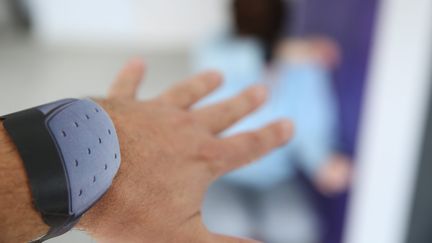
<point x="87" y="140"/>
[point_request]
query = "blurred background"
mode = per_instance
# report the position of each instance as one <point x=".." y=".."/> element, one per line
<point x="353" y="75"/>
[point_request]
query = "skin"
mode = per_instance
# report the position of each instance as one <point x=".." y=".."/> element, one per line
<point x="171" y="153"/>
<point x="335" y="175"/>
<point x="320" y="49"/>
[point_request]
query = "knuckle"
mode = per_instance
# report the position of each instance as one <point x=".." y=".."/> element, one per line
<point x="250" y="98"/>
<point x="227" y="110"/>
<point x="164" y="99"/>
<point x="161" y="101"/>
<point x="182" y="120"/>
<point x="193" y="94"/>
<point x="277" y="135"/>
<point x="209" y="153"/>
<point x="212" y="75"/>
<point x="195" y="89"/>
<point x="211" y="157"/>
<point x="255" y="140"/>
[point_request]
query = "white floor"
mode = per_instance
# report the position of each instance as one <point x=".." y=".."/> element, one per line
<point x="31" y="74"/>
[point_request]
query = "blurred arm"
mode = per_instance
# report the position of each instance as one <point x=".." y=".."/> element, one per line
<point x="312" y="107"/>
<point x="317" y="123"/>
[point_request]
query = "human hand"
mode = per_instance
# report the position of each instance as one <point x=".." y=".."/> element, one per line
<point x="325" y="51"/>
<point x="335" y="175"/>
<point x="170" y="155"/>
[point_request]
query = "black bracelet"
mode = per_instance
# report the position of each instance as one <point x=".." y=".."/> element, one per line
<point x="71" y="154"/>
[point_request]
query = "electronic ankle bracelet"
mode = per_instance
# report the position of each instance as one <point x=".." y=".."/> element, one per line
<point x="71" y="154"/>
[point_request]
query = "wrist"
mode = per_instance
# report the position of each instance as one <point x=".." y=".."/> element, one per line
<point x="96" y="220"/>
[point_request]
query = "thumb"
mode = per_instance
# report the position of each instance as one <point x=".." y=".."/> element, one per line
<point x="128" y="80"/>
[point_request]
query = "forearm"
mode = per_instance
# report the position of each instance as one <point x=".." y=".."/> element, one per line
<point x="19" y="221"/>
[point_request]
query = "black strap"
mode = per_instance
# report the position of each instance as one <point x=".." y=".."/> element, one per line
<point x="57" y="231"/>
<point x="41" y="161"/>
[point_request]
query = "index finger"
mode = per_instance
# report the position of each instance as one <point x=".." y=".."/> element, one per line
<point x="188" y="92"/>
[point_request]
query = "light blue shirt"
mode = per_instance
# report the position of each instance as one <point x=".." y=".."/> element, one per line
<point x="300" y="92"/>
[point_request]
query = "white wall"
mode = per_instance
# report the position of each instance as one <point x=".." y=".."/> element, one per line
<point x="150" y="23"/>
<point x="394" y="121"/>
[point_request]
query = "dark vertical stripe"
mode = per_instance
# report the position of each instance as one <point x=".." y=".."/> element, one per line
<point x="420" y="224"/>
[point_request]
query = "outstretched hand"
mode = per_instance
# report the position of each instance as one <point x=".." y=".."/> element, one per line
<point x="171" y="153"/>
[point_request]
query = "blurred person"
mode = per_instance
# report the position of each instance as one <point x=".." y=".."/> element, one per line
<point x="19" y="10"/>
<point x="170" y="154"/>
<point x="262" y="200"/>
<point x="350" y="23"/>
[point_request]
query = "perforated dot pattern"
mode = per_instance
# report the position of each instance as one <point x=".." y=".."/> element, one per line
<point x="87" y="141"/>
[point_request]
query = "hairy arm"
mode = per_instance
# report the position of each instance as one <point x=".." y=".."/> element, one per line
<point x="19" y="221"/>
